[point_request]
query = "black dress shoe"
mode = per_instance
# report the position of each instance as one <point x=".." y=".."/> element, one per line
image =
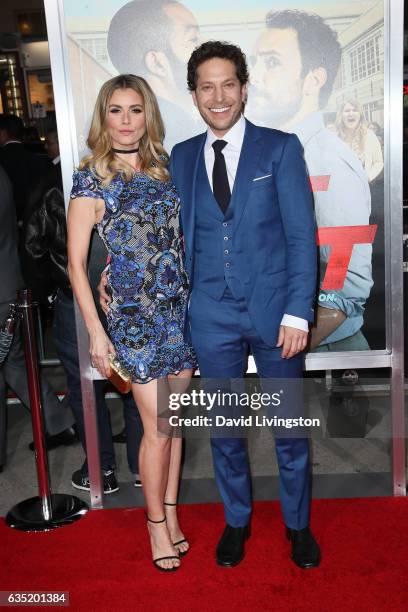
<point x="305" y="549"/>
<point x="231" y="547"/>
<point x="64" y="438"/>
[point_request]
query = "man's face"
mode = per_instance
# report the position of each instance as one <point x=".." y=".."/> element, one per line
<point x="51" y="145"/>
<point x="276" y="83"/>
<point x="185" y="33"/>
<point x="219" y="95"/>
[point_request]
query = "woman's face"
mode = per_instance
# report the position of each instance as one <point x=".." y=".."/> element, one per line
<point x="350" y="116"/>
<point x="126" y="120"/>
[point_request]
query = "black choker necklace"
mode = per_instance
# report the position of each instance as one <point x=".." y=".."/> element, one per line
<point x="125" y="151"/>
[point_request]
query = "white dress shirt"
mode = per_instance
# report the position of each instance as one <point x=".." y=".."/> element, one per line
<point x="232" y="150"/>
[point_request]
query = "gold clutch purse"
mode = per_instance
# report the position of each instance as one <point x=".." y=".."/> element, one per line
<point x="119" y="377"/>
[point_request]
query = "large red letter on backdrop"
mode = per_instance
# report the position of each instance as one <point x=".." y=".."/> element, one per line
<point x="341" y="240"/>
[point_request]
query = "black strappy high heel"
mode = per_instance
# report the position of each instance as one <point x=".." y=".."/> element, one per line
<point x="182" y="553"/>
<point x="156" y="561"/>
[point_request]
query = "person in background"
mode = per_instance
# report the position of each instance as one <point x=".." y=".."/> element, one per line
<point x="32" y="140"/>
<point x="352" y="128"/>
<point x="57" y="415"/>
<point x="22" y="167"/>
<point x="52" y="146"/>
<point x="45" y="244"/>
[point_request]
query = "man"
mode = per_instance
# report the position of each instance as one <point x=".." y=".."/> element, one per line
<point x="247" y="218"/>
<point x="154" y="39"/>
<point x="52" y="146"/>
<point x="22" y="167"/>
<point x="296" y="63"/>
<point x="249" y="235"/>
<point x="43" y="272"/>
<point x="58" y="419"/>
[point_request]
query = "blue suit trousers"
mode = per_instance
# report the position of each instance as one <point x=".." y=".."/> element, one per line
<point x="221" y="333"/>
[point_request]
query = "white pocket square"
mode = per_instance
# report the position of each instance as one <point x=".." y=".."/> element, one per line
<point x="259" y="178"/>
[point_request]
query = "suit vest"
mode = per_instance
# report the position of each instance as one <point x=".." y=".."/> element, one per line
<point x="215" y="266"/>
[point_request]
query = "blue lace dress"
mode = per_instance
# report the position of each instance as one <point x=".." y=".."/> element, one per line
<point x="140" y="229"/>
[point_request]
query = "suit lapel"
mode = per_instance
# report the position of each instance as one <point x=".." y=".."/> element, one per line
<point x="248" y="162"/>
<point x="189" y="203"/>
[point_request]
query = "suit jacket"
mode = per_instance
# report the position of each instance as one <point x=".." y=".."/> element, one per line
<point x="10" y="274"/>
<point x="274" y="237"/>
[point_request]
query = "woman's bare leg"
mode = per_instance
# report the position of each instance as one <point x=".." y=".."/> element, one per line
<point x="178" y="384"/>
<point x="154" y="461"/>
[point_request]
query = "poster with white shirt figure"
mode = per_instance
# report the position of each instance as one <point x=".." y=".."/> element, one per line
<point x="317" y="70"/>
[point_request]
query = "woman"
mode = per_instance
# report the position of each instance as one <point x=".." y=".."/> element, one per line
<point x="124" y="188"/>
<point x="352" y="128"/>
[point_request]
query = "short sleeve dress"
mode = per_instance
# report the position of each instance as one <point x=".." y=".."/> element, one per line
<point x="141" y="231"/>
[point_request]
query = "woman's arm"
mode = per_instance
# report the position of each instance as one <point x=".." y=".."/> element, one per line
<point x="83" y="213"/>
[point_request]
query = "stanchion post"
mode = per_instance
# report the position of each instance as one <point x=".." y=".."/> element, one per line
<point x="48" y="510"/>
<point x="31" y="358"/>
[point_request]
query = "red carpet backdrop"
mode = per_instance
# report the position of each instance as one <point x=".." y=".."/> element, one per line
<point x="103" y="561"/>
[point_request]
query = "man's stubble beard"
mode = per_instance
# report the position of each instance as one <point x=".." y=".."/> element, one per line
<point x="262" y="112"/>
<point x="179" y="70"/>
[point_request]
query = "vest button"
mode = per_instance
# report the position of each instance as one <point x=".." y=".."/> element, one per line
<point x="225" y="224"/>
<point x="227" y="265"/>
<point x="226" y="252"/>
<point x="225" y="237"/>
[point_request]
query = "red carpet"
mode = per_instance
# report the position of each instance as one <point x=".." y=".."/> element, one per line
<point x="103" y="561"/>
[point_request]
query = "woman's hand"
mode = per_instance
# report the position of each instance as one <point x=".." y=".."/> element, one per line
<point x="100" y="348"/>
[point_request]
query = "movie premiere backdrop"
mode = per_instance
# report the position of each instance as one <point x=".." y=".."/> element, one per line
<point x="316" y="69"/>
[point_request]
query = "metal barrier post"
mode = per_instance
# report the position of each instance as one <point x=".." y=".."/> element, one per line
<point x="48" y="510"/>
<point x="40" y="337"/>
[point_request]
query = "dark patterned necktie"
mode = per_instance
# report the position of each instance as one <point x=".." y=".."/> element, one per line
<point x="221" y="186"/>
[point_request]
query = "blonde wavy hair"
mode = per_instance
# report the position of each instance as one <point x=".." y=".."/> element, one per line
<point x="361" y="130"/>
<point x="102" y="160"/>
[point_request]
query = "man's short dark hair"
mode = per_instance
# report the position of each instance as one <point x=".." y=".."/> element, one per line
<point x="222" y="50"/>
<point x="318" y="44"/>
<point x="13" y="125"/>
<point x="137" y="28"/>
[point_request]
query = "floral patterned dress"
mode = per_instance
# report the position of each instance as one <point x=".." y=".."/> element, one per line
<point x="140" y="229"/>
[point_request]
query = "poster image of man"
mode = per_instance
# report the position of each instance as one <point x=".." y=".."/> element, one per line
<point x="296" y="61"/>
<point x="154" y="39"/>
<point x="306" y="60"/>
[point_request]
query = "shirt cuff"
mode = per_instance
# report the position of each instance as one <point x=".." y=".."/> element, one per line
<point x="296" y="322"/>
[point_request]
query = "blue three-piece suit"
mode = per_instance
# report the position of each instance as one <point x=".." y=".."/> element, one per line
<point x="247" y="268"/>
